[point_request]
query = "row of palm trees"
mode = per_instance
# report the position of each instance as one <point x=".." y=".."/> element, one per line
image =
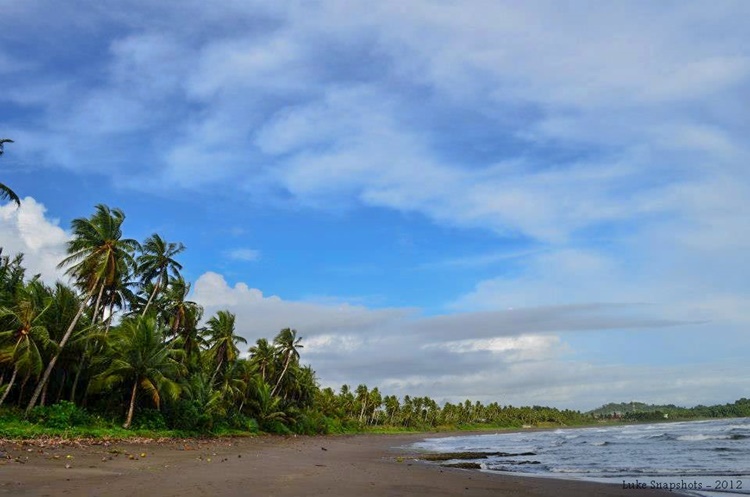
<point x="125" y="333"/>
<point x="367" y="407"/>
<point x="123" y="338"/>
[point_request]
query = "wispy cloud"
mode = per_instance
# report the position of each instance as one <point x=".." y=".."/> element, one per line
<point x="243" y="254"/>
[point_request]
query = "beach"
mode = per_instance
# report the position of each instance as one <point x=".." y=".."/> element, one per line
<point x="361" y="465"/>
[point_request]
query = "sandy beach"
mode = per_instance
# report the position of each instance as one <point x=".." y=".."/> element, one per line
<point x="361" y="465"/>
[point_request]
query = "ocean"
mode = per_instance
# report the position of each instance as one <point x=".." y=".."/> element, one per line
<point x="706" y="458"/>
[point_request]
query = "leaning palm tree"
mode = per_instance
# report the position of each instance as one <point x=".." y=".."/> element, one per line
<point x="156" y="263"/>
<point x="223" y="340"/>
<point x="98" y="257"/>
<point x="288" y="346"/>
<point x="5" y="192"/>
<point x="138" y="355"/>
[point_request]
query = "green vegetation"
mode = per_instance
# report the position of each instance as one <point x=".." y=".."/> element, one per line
<point x="638" y="411"/>
<point x="123" y="352"/>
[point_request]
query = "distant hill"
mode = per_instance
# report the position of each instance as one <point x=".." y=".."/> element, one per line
<point x="641" y="411"/>
<point x="623" y="408"/>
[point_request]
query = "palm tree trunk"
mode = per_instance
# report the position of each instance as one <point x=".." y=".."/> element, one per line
<point x="153" y="294"/>
<point x="217" y="370"/>
<point x="109" y="318"/>
<point x="281" y="377"/>
<point x="51" y="365"/>
<point x="131" y="409"/>
<point x="62" y="385"/>
<point x="10" y="385"/>
<point x="23" y="386"/>
<point x="96" y="305"/>
<point x="74" y="388"/>
<point x="43" y="400"/>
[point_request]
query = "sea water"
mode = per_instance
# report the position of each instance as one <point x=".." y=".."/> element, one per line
<point x="707" y="458"/>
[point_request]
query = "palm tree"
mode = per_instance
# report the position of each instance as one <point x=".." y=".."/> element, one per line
<point x="223" y="340"/>
<point x="262" y="356"/>
<point x="5" y="192"/>
<point x="139" y="355"/>
<point x="265" y="406"/>
<point x="362" y="398"/>
<point x="156" y="263"/>
<point x="64" y="306"/>
<point x="181" y="313"/>
<point x="25" y="333"/>
<point x="98" y="255"/>
<point x="98" y="258"/>
<point x="288" y="345"/>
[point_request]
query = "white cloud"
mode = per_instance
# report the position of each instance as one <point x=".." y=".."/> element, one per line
<point x="339" y="104"/>
<point x="262" y="316"/>
<point x="522" y="356"/>
<point x="243" y="254"/>
<point x="27" y="230"/>
<point x="612" y="137"/>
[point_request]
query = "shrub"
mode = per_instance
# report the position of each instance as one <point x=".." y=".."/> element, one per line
<point x="62" y="415"/>
<point x="185" y="415"/>
<point x="150" y="419"/>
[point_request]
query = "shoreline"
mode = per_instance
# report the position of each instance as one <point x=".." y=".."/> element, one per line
<point x="335" y="465"/>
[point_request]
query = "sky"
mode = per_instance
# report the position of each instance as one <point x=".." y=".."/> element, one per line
<point x="533" y="202"/>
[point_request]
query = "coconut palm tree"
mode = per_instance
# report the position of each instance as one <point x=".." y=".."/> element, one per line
<point x="5" y="192"/>
<point x="156" y="263"/>
<point x="98" y="258"/>
<point x="262" y="357"/>
<point x="222" y="340"/>
<point x="265" y="406"/>
<point x="24" y="335"/>
<point x="138" y="355"/>
<point x="288" y="346"/>
<point x="363" y="397"/>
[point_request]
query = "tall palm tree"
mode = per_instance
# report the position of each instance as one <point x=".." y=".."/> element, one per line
<point x="25" y="333"/>
<point x="5" y="192"/>
<point x="363" y="397"/>
<point x="223" y="340"/>
<point x="156" y="263"/>
<point x="139" y="355"/>
<point x="98" y="257"/>
<point x="181" y="313"/>
<point x="262" y="356"/>
<point x="288" y="346"/>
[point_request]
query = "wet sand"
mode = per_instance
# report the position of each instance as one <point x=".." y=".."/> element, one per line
<point x="358" y="465"/>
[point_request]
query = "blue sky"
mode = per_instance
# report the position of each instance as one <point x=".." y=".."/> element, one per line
<point x="534" y="204"/>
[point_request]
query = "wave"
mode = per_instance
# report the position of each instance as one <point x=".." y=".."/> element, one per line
<point x="700" y="437"/>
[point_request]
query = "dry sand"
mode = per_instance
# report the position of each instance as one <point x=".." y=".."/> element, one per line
<point x="359" y="465"/>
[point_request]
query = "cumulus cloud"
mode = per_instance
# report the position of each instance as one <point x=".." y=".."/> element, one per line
<point x="28" y="231"/>
<point x="517" y="356"/>
<point x="610" y="140"/>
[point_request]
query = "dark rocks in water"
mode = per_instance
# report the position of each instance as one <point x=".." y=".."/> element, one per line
<point x="463" y="465"/>
<point x="447" y="456"/>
